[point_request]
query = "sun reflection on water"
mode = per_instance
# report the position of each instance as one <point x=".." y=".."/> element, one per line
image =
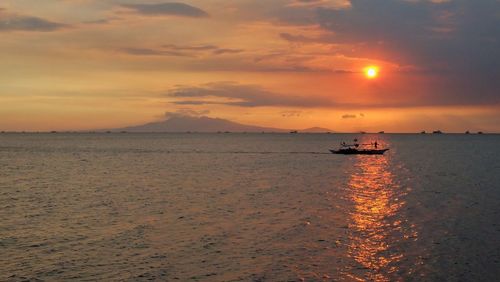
<point x="376" y="222"/>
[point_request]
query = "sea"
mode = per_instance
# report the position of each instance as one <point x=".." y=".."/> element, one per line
<point x="248" y="207"/>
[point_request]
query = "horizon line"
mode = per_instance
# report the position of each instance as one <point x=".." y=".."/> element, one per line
<point x="231" y="132"/>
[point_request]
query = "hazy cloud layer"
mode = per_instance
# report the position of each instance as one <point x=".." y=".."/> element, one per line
<point x="241" y="95"/>
<point x="457" y="33"/>
<point x="454" y="44"/>
<point x="244" y="95"/>
<point x="459" y="39"/>
<point x="167" y="9"/>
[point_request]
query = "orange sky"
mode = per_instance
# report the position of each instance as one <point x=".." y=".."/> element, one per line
<point x="73" y="65"/>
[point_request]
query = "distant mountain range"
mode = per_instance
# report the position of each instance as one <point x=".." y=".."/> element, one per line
<point x="205" y="124"/>
<point x="316" y="130"/>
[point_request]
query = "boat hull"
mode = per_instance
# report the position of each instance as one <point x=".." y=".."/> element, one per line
<point x="359" y="152"/>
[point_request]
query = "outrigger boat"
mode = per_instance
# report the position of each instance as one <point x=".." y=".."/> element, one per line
<point x="354" y="149"/>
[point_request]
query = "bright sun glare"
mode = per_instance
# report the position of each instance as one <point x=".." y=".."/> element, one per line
<point x="371" y="72"/>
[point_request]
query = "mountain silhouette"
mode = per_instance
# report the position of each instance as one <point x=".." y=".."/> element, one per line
<point x="196" y="124"/>
<point x="316" y="130"/>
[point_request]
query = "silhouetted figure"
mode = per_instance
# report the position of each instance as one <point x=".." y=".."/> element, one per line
<point x="376" y="144"/>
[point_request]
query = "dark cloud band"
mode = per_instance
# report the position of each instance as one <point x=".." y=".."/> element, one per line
<point x="14" y="22"/>
<point x="168" y="9"/>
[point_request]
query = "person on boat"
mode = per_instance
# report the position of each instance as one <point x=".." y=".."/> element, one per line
<point x="375" y="144"/>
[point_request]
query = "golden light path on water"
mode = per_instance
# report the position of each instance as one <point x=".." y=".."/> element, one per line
<point x="375" y="220"/>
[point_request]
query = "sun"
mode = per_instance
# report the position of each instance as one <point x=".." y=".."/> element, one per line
<point x="371" y="72"/>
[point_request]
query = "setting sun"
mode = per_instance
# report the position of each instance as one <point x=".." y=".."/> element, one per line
<point x="371" y="72"/>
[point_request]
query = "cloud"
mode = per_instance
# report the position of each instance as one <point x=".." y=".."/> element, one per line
<point x="290" y="114"/>
<point x="190" y="48"/>
<point x="167" y="9"/>
<point x="15" y="22"/>
<point x="153" y="52"/>
<point x="233" y="94"/>
<point x="186" y="112"/>
<point x="102" y="21"/>
<point x="348" y="116"/>
<point x="297" y="38"/>
<point x="180" y="51"/>
<point x="227" y="51"/>
<point x="320" y="3"/>
<point x="216" y="50"/>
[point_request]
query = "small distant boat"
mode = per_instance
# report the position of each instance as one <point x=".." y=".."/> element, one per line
<point x="437" y="132"/>
<point x="294" y="132"/>
<point x="354" y="149"/>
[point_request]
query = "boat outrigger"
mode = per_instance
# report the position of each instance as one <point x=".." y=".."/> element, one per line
<point x="354" y="149"/>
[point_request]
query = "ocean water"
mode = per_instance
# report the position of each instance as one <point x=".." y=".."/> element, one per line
<point x="248" y="207"/>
